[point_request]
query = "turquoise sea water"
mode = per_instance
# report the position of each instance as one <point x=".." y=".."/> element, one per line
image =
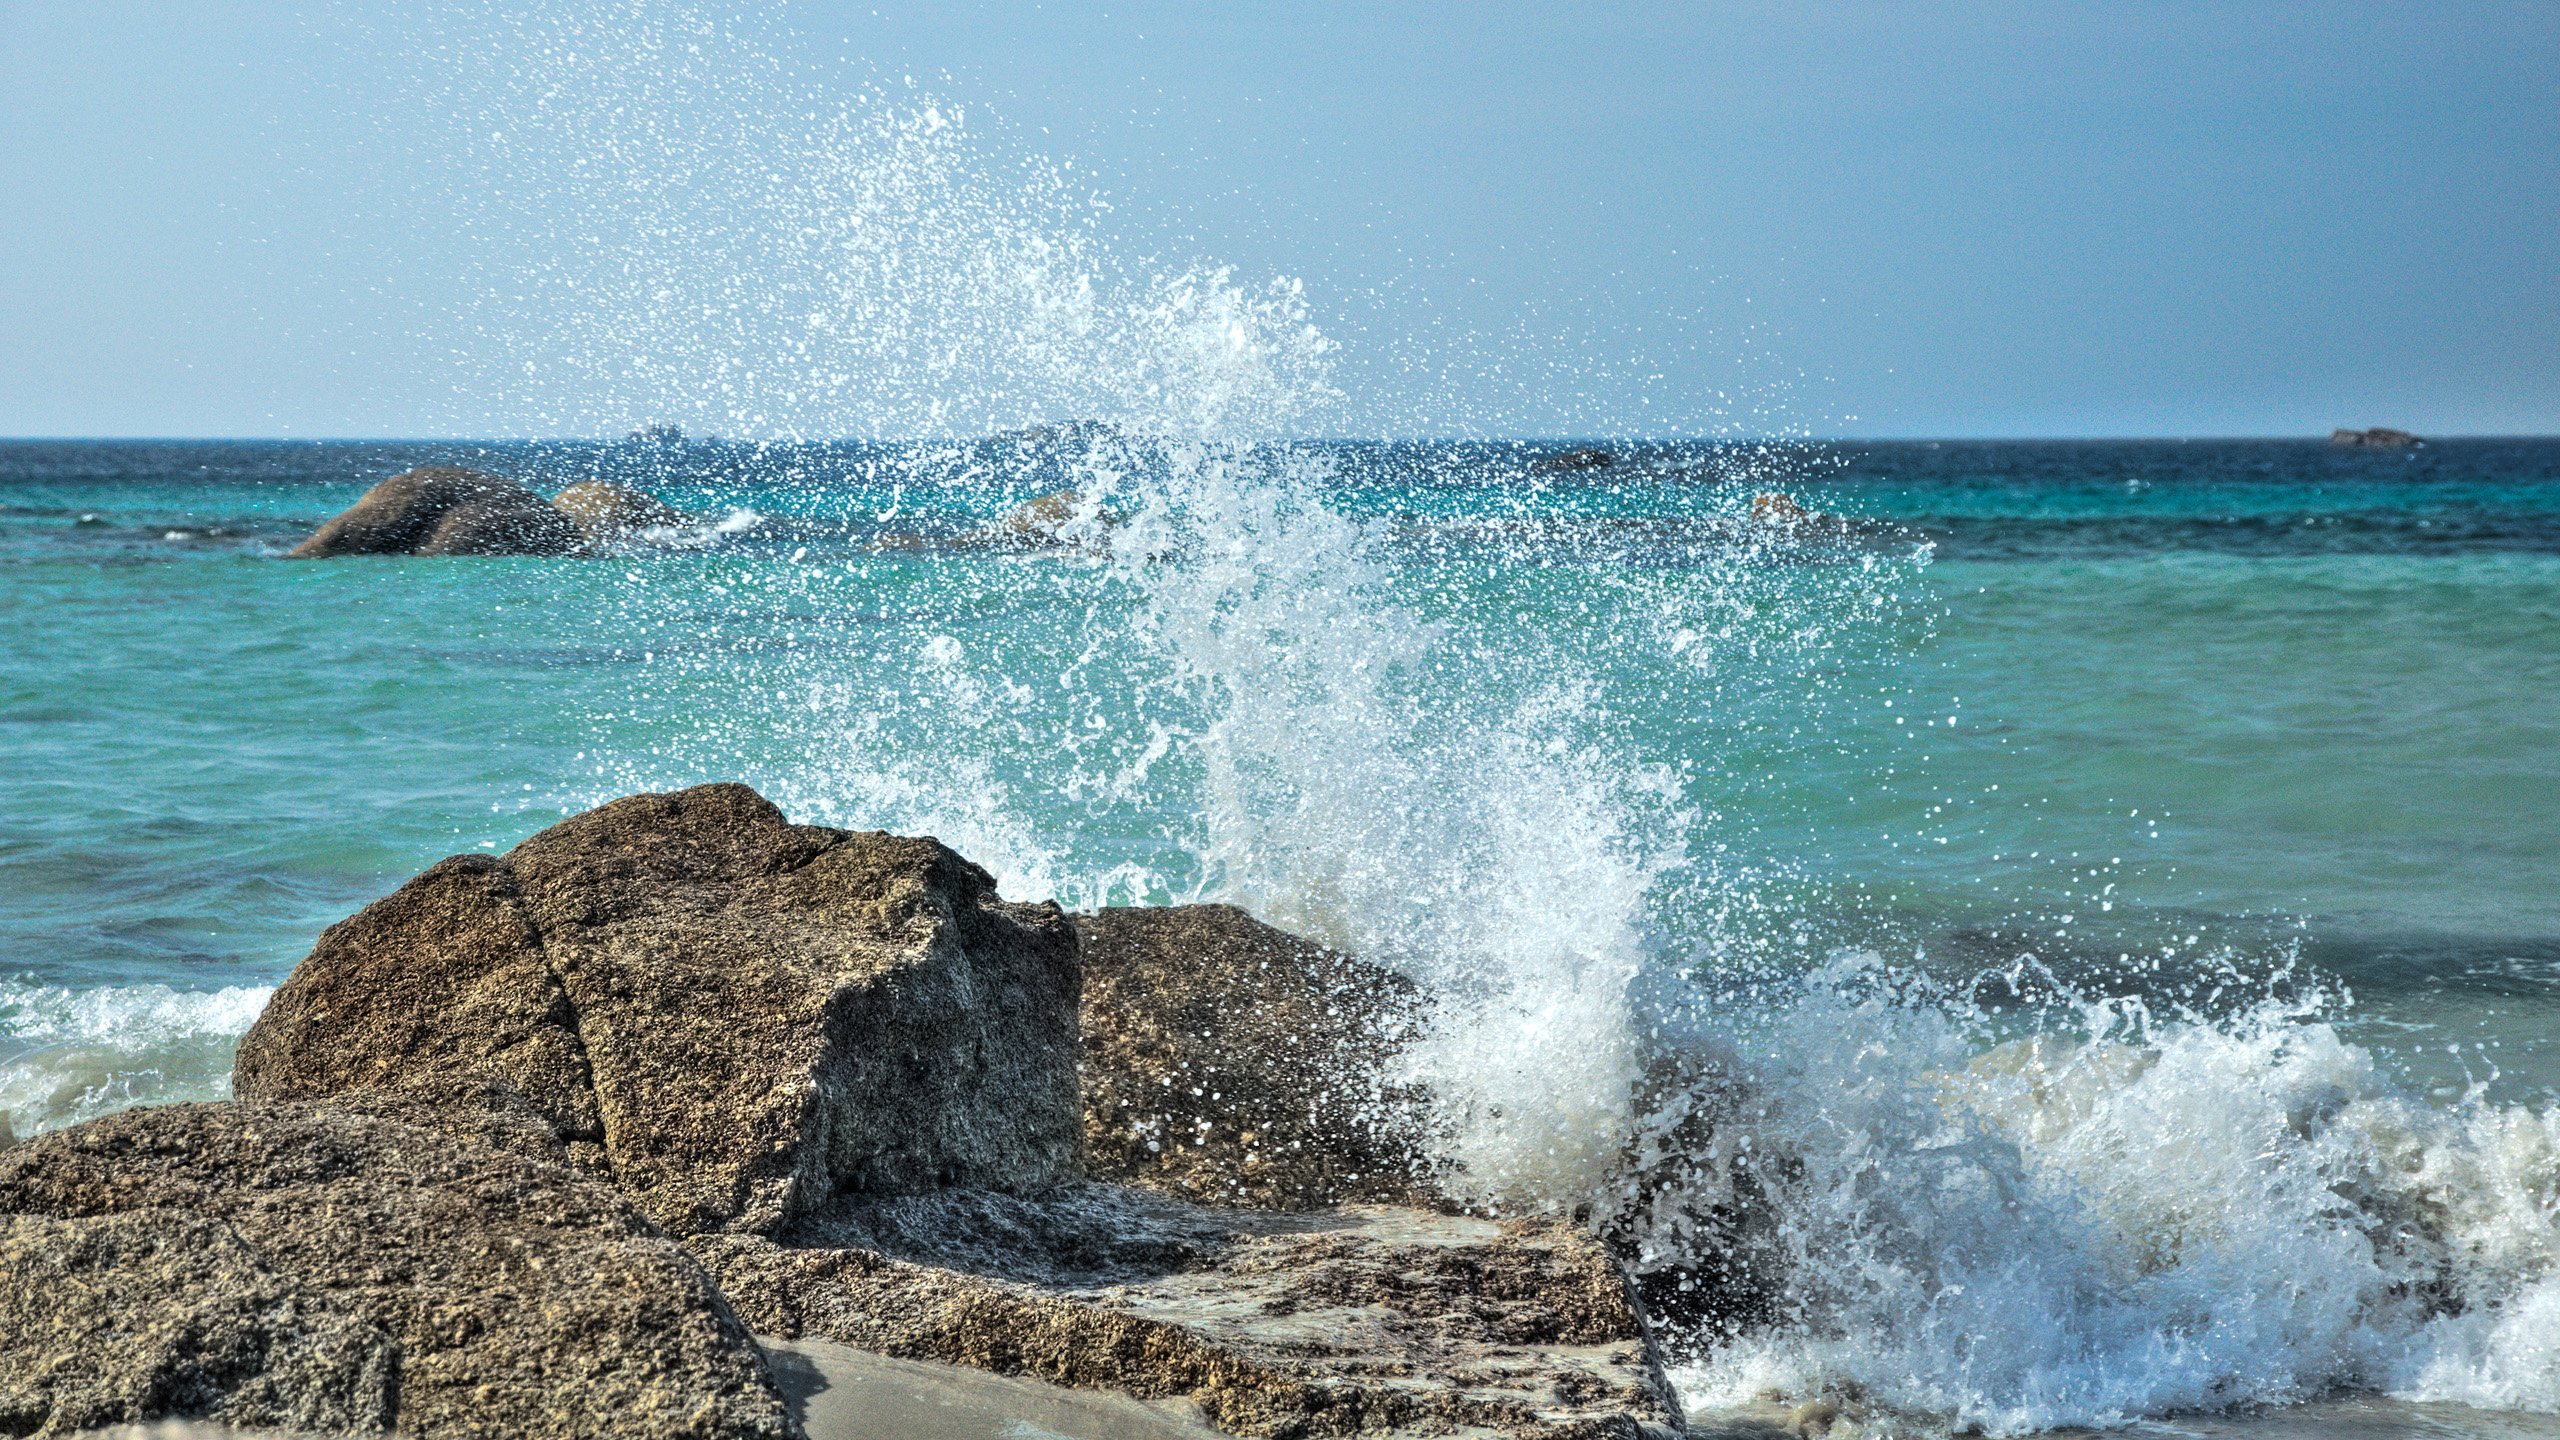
<point x="2177" y="728"/>
<point x="2271" y="693"/>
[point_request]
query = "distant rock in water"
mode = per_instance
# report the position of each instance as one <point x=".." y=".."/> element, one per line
<point x="308" y="1270"/>
<point x="734" y="1017"/>
<point x="1229" y="1062"/>
<point x="444" y="510"/>
<point x="661" y="433"/>
<point x="2381" y="437"/>
<point x="608" y="515"/>
<point x="1572" y="460"/>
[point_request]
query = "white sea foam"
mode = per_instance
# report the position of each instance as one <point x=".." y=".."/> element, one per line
<point x="2120" y="1216"/>
<point x="69" y="1055"/>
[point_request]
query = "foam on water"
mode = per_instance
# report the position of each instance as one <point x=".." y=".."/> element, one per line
<point x="70" y="1055"/>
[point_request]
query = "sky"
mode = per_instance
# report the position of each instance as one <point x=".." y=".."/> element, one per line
<point x="1953" y="219"/>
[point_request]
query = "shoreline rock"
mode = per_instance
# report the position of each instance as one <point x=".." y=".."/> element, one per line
<point x="733" y="1016"/>
<point x="609" y="515"/>
<point x="452" y="510"/>
<point x="731" y="1074"/>
<point x="1372" y="1320"/>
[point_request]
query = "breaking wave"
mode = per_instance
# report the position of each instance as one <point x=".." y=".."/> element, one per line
<point x="68" y="1055"/>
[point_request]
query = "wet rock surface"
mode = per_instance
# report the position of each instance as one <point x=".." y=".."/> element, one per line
<point x="1370" y="1320"/>
<point x="444" y="510"/>
<point x="1234" y="1063"/>
<point x="329" y="1271"/>
<point x="732" y="1016"/>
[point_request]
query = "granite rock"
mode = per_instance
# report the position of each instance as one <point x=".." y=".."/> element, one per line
<point x="444" y="510"/>
<point x="325" y="1270"/>
<point x="1370" y="1320"/>
<point x="733" y="1017"/>
<point x="1234" y="1063"/>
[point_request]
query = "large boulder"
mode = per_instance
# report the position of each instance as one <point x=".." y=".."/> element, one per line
<point x="1233" y="1063"/>
<point x="327" y="1270"/>
<point x="608" y="515"/>
<point x="734" y="1017"/>
<point x="444" y="510"/>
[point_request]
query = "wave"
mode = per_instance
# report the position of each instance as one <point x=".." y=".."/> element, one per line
<point x="68" y="1055"/>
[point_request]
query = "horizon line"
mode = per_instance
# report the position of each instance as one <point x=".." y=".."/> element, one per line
<point x="1523" y="440"/>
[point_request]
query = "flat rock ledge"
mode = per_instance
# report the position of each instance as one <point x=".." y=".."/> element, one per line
<point x="531" y="1145"/>
<point x="1364" y="1320"/>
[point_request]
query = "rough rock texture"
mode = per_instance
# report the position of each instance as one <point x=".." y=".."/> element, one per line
<point x="734" y="1017"/>
<point x="116" y="1318"/>
<point x="1234" y="1063"/>
<point x="444" y="510"/>
<point x="1371" y="1321"/>
<point x="328" y="1270"/>
<point x="607" y="514"/>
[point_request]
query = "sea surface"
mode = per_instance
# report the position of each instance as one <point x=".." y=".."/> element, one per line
<point x="2126" y="875"/>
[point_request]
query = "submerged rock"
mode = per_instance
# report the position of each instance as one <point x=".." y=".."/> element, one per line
<point x="2380" y="437"/>
<point x="1371" y="1321"/>
<point x="1038" y="522"/>
<point x="608" y="515"/>
<point x="1234" y="1063"/>
<point x="734" y="1017"/>
<point x="323" y="1270"/>
<point x="444" y="510"/>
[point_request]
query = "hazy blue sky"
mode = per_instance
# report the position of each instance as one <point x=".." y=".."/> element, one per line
<point x="1941" y="219"/>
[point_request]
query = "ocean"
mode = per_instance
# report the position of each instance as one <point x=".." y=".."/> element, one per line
<point x="2108" y="887"/>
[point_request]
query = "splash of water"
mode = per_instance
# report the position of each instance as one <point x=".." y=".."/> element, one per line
<point x="1221" y="683"/>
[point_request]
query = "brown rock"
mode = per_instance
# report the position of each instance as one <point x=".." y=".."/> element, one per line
<point x="607" y="514"/>
<point x="1374" y="1321"/>
<point x="320" y="1269"/>
<point x="1233" y="1063"/>
<point x="111" y="1319"/>
<point x="444" y="510"/>
<point x="734" y="1017"/>
<point x="1037" y="523"/>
